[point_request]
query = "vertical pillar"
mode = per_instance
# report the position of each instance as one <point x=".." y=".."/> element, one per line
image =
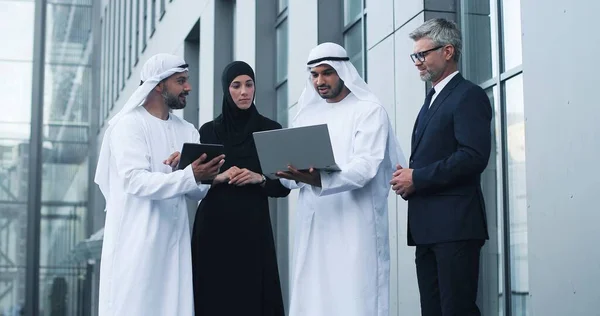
<point x="34" y="203"/>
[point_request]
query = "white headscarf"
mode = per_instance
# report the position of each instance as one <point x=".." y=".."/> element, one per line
<point x="336" y="56"/>
<point x="156" y="68"/>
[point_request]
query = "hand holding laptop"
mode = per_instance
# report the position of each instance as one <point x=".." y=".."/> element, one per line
<point x="286" y="150"/>
<point x="311" y="177"/>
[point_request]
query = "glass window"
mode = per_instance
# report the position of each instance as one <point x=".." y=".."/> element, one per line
<point x="102" y="71"/>
<point x="511" y="30"/>
<point x="145" y="26"/>
<point x="152" y="17"/>
<point x="113" y="50"/>
<point x="352" y="10"/>
<point x="118" y="29"/>
<point x="282" y="105"/>
<point x="64" y="177"/>
<point x="355" y="34"/>
<point x="354" y="46"/>
<point x="124" y="42"/>
<point x="282" y="51"/>
<point x="490" y="301"/>
<point x="20" y="15"/>
<point x="480" y="45"/>
<point x="282" y="5"/>
<point x="106" y="66"/>
<point x="15" y="104"/>
<point x="67" y="99"/>
<point x="136" y="33"/>
<point x="129" y="42"/>
<point x="504" y="256"/>
<point x="515" y="129"/>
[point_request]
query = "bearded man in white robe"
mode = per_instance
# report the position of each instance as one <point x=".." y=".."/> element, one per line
<point x="146" y="266"/>
<point x="341" y="264"/>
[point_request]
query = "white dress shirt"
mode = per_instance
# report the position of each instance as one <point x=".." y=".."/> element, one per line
<point x="440" y="85"/>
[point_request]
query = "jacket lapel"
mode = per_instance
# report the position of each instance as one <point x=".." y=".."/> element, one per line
<point x="446" y="91"/>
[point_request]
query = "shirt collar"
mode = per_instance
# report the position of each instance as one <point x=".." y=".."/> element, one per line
<point x="440" y="86"/>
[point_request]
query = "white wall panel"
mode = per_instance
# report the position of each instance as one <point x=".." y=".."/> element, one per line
<point x="207" y="63"/>
<point x="302" y="21"/>
<point x="380" y="20"/>
<point x="562" y="149"/>
<point x="381" y="81"/>
<point x="171" y="31"/>
<point x="410" y="93"/>
<point x="244" y="26"/>
<point x="406" y="10"/>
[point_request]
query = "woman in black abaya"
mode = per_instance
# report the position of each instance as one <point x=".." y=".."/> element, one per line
<point x="233" y="252"/>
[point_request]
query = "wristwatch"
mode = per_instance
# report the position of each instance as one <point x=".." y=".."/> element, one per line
<point x="263" y="179"/>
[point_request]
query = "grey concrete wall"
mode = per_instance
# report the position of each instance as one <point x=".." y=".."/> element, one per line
<point x="560" y="47"/>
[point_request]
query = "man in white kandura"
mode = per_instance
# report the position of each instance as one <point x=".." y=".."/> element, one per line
<point x="341" y="259"/>
<point x="146" y="264"/>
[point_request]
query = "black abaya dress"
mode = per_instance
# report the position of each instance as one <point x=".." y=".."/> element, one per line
<point x="233" y="251"/>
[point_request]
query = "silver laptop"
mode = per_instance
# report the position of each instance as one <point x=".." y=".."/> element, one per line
<point x="302" y="147"/>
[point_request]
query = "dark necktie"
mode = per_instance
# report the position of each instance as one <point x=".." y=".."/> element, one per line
<point x="423" y="112"/>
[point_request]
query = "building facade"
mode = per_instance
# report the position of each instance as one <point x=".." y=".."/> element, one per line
<point x="80" y="61"/>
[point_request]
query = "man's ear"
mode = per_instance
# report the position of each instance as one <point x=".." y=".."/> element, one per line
<point x="159" y="87"/>
<point x="449" y="52"/>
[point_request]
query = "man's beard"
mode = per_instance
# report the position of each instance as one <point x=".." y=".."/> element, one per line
<point x="173" y="101"/>
<point x="333" y="93"/>
<point x="430" y="75"/>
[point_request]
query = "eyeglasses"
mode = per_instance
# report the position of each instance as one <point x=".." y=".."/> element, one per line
<point x="420" y="56"/>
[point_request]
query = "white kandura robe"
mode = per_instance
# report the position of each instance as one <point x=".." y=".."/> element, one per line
<point x="146" y="266"/>
<point x="341" y="258"/>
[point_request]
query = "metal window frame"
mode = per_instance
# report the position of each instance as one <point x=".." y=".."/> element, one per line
<point x="279" y="207"/>
<point x="503" y="177"/>
<point x="499" y="81"/>
<point x="34" y="200"/>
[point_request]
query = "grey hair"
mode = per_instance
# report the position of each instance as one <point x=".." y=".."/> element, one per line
<point x="441" y="32"/>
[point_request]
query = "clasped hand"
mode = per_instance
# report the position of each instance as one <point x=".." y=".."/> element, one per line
<point x="238" y="176"/>
<point x="402" y="182"/>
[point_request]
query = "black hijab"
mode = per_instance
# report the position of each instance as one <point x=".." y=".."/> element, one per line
<point x="234" y="127"/>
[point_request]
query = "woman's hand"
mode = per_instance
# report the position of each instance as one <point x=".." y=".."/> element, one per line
<point x="225" y="176"/>
<point x="244" y="177"/>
